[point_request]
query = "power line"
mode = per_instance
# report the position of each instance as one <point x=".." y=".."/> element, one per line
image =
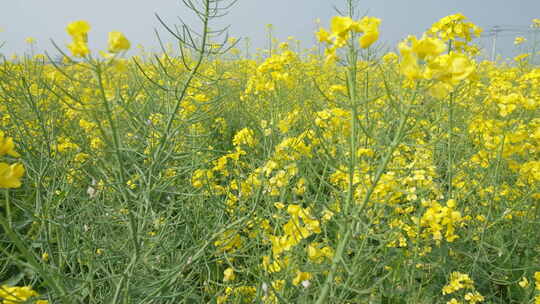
<point x="505" y="30"/>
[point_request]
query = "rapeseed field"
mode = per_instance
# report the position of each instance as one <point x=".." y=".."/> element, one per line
<point x="345" y="173"/>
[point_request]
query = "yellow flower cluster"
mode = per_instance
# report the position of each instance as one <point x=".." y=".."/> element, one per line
<point x="437" y="218"/>
<point x="454" y="27"/>
<point x="118" y="42"/>
<point x="245" y="137"/>
<point x="17" y="295"/>
<point x="274" y="71"/>
<point x="10" y="174"/>
<point x="240" y="294"/>
<point x="537" y="275"/>
<point x="78" y="31"/>
<point x="449" y="69"/>
<point x="341" y="29"/>
<point x="300" y="226"/>
<point x="459" y="281"/>
<point x="317" y="253"/>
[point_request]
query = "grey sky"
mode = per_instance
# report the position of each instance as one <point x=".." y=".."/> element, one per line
<point x="45" y="19"/>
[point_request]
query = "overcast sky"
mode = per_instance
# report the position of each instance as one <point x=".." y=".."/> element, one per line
<point x="46" y="19"/>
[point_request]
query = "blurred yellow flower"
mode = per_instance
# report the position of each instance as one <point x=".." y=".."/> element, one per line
<point x="78" y="30"/>
<point x="79" y="48"/>
<point x="7" y="146"/>
<point x="118" y="42"/>
<point x="300" y="277"/>
<point x="519" y="40"/>
<point x="30" y="40"/>
<point x="409" y="62"/>
<point x="10" y="175"/>
<point x="16" y="294"/>
<point x="427" y="47"/>
<point x="450" y="68"/>
<point x="323" y="35"/>
<point x="228" y="275"/>
<point x="521" y="57"/>
<point x="390" y="57"/>
<point x="370" y="27"/>
<point x="368" y="39"/>
<point x="340" y="26"/>
<point x="524" y="282"/>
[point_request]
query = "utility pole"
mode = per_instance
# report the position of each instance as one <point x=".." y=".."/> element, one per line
<point x="495" y="31"/>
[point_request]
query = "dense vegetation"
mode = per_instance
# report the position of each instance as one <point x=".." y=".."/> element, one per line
<point x="339" y="174"/>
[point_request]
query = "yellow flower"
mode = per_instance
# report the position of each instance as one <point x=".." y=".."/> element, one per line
<point x="10" y="175"/>
<point x="427" y="47"/>
<point x="300" y="277"/>
<point x="440" y="90"/>
<point x="370" y="27"/>
<point x="408" y="65"/>
<point x="519" y="40"/>
<point x="228" y="275"/>
<point x="30" y="40"/>
<point x="78" y="30"/>
<point x="524" y="282"/>
<point x="340" y="26"/>
<point x="323" y="35"/>
<point x="474" y="297"/>
<point x="450" y="68"/>
<point x="536" y="23"/>
<point x="458" y="281"/>
<point x="455" y="26"/>
<point x="368" y="39"/>
<point x="521" y="57"/>
<point x="79" y="48"/>
<point x="7" y="146"/>
<point x="118" y="42"/>
<point x="16" y="294"/>
<point x="317" y="255"/>
<point x="390" y="57"/>
<point x="246" y="137"/>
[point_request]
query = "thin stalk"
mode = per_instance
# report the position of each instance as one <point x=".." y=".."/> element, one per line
<point x="8" y="209"/>
<point x="450" y="144"/>
<point x="449" y="150"/>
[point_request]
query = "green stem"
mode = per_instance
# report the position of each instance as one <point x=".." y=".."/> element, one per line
<point x="8" y="209"/>
<point x="449" y="147"/>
